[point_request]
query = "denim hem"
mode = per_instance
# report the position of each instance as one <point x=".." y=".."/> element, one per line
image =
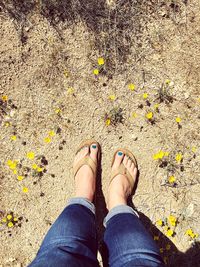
<point x="140" y="258"/>
<point x="118" y="210"/>
<point x="82" y="201"/>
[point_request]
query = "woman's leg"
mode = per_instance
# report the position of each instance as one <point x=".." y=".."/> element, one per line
<point x="71" y="241"/>
<point x="128" y="242"/>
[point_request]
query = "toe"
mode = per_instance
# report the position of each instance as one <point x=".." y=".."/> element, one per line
<point x="94" y="151"/>
<point x="125" y="161"/>
<point x="133" y="170"/>
<point x="118" y="159"/>
<point x="129" y="163"/>
<point x="82" y="153"/>
<point x="132" y="166"/>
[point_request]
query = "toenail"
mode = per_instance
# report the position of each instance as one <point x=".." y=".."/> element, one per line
<point x="120" y="153"/>
<point x="94" y="146"/>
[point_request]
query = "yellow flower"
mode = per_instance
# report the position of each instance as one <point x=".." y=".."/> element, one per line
<point x="169" y="232"/>
<point x="34" y="166"/>
<point x="101" y="61"/>
<point x="20" y="178"/>
<point x="145" y="95"/>
<point x="96" y="71"/>
<point x="25" y="189"/>
<point x="108" y="122"/>
<point x="4" y="220"/>
<point x="155" y="156"/>
<point x="172" y="220"/>
<point x="156" y="237"/>
<point x="171" y="179"/>
<point x="15" y="219"/>
<point x="178" y="119"/>
<point x="179" y="157"/>
<point x="166" y="227"/>
<point x="9" y="162"/>
<point x="13" y="138"/>
<point x="12" y="164"/>
<point x="9" y="216"/>
<point x="15" y="171"/>
<point x="39" y="169"/>
<point x="190" y="233"/>
<point x="167" y="81"/>
<point x="134" y="115"/>
<point x="168" y="246"/>
<point x="65" y="72"/>
<point x="149" y="115"/>
<point x="161" y="250"/>
<point x="112" y="97"/>
<point x="70" y="90"/>
<point x="57" y="110"/>
<point x="4" y="98"/>
<point x="131" y="86"/>
<point x="7" y="124"/>
<point x="194" y="149"/>
<point x="10" y="224"/>
<point x="47" y="140"/>
<point x="51" y="133"/>
<point x="159" y="222"/>
<point x="156" y="106"/>
<point x="159" y="155"/>
<point x="30" y="155"/>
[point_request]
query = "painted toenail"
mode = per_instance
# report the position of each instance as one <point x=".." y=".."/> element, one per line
<point x="94" y="146"/>
<point x="120" y="153"/>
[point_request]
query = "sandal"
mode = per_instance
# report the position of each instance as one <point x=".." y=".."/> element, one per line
<point x="122" y="169"/>
<point x="87" y="160"/>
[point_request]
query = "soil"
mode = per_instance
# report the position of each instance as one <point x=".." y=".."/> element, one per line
<point x="50" y="100"/>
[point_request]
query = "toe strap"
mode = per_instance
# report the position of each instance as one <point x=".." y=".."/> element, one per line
<point x="86" y="161"/>
<point x="123" y="171"/>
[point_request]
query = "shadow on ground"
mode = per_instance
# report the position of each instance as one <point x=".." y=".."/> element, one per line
<point x="174" y="257"/>
<point x="116" y="30"/>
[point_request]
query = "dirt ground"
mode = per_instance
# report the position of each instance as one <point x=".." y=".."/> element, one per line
<point x="144" y="96"/>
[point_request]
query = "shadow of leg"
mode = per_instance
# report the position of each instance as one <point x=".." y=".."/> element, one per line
<point x="100" y="215"/>
<point x="171" y="255"/>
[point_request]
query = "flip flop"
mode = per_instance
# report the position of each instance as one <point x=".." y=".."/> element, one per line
<point x="87" y="160"/>
<point x="122" y="169"/>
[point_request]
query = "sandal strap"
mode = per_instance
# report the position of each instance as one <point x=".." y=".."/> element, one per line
<point x="123" y="171"/>
<point x="86" y="161"/>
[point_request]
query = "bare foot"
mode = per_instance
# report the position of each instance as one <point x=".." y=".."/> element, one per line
<point x="85" y="179"/>
<point x="120" y="188"/>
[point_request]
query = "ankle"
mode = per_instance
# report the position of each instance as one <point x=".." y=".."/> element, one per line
<point x="116" y="199"/>
<point x="85" y="192"/>
<point x="89" y="197"/>
<point x="85" y="189"/>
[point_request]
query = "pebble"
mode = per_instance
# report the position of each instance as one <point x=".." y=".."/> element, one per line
<point x="12" y="113"/>
<point x="189" y="210"/>
<point x="186" y="95"/>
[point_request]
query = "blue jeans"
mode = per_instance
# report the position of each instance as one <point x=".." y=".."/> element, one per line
<point x="72" y="240"/>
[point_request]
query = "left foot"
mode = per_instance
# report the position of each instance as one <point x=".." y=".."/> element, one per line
<point x="85" y="179"/>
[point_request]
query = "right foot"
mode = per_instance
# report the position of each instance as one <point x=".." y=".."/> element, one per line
<point x="120" y="187"/>
<point x="85" y="178"/>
